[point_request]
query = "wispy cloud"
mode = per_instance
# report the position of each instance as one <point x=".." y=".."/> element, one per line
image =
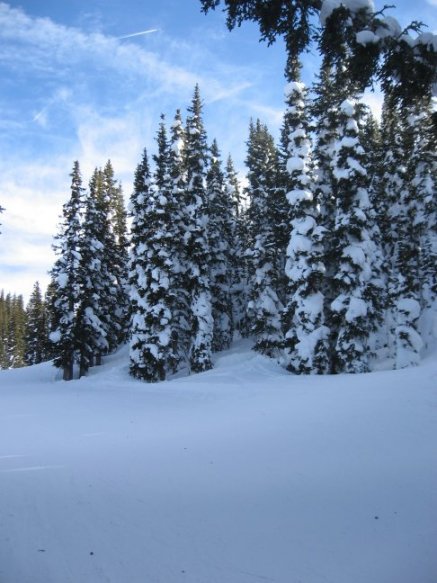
<point x="95" y="97"/>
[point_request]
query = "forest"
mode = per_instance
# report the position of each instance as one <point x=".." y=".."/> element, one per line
<point x="324" y="255"/>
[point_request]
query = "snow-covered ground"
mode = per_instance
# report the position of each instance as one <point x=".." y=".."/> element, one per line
<point x="242" y="474"/>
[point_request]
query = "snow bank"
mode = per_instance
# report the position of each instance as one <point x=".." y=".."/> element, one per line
<point x="241" y="474"/>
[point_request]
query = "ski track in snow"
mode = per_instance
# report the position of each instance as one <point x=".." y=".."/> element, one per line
<point x="241" y="474"/>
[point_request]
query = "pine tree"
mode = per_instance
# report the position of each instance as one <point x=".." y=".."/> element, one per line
<point x="67" y="277"/>
<point x="36" y="328"/>
<point x="197" y="253"/>
<point x="157" y="348"/>
<point x="178" y="178"/>
<point x="92" y="317"/>
<point x="306" y="335"/>
<point x="140" y="203"/>
<point x="237" y="248"/>
<point x="12" y="331"/>
<point x="116" y="257"/>
<point x="352" y="308"/>
<point x="220" y="241"/>
<point x="264" y="306"/>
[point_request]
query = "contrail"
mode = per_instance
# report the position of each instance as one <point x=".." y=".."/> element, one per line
<point x="138" y="33"/>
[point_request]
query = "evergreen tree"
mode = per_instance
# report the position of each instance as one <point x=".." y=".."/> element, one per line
<point x="178" y="178"/>
<point x="116" y="257"/>
<point x="197" y="253"/>
<point x="220" y="241"/>
<point x="352" y="308"/>
<point x="237" y="248"/>
<point x="67" y="277"/>
<point x="12" y="331"/>
<point x="92" y="317"/>
<point x="264" y="306"/>
<point x="156" y="349"/>
<point x="36" y="328"/>
<point x="306" y="335"/>
<point x="141" y="352"/>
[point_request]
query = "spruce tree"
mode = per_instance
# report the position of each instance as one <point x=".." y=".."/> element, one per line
<point x="264" y="306"/>
<point x="351" y="308"/>
<point x="139" y="203"/>
<point x="197" y="252"/>
<point x="305" y="343"/>
<point x="158" y="350"/>
<point x="116" y="257"/>
<point x="92" y="317"/>
<point x="237" y="249"/>
<point x="67" y="277"/>
<point x="220" y="241"/>
<point x="178" y="179"/>
<point x="36" y="327"/>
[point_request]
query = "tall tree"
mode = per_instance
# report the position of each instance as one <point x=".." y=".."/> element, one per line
<point x="67" y="277"/>
<point x="265" y="306"/>
<point x="92" y="318"/>
<point x="239" y="244"/>
<point x="305" y="343"/>
<point x="158" y="350"/>
<point x="197" y="252"/>
<point x="139" y="203"/>
<point x="220" y="241"/>
<point x="117" y="256"/>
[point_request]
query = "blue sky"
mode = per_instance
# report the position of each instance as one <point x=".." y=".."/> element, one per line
<point x="75" y="85"/>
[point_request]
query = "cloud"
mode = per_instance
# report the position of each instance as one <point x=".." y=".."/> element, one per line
<point x="432" y="2"/>
<point x="95" y="97"/>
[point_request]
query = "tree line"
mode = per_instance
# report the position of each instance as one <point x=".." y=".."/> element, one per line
<point x="326" y="258"/>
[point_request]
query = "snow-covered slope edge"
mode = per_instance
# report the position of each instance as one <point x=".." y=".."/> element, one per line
<point x="244" y="473"/>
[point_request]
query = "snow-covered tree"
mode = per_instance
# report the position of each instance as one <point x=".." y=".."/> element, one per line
<point x="197" y="253"/>
<point x="117" y="257"/>
<point x="352" y="308"/>
<point x="220" y="241"/>
<point x="92" y="320"/>
<point x="264" y="306"/>
<point x="67" y="277"/>
<point x="178" y="178"/>
<point x="139" y="204"/>
<point x="159" y="350"/>
<point x="305" y="342"/>
<point x="237" y="258"/>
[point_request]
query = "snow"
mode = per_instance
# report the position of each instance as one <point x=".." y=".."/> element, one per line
<point x="294" y="87"/>
<point x="366" y="37"/>
<point x="241" y="474"/>
<point x="328" y="7"/>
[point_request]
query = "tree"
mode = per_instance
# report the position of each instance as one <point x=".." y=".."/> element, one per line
<point x="115" y="245"/>
<point x="178" y="179"/>
<point x="352" y="308"/>
<point x="92" y="317"/>
<point x="137" y="265"/>
<point x="264" y="306"/>
<point x="197" y="252"/>
<point x="305" y="343"/>
<point x="220" y="241"/>
<point x="291" y="20"/>
<point x="12" y="331"/>
<point x="237" y="248"/>
<point x="67" y="277"/>
<point x="156" y="349"/>
<point x="36" y="328"/>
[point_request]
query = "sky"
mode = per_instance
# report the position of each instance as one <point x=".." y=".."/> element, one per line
<point x="87" y="80"/>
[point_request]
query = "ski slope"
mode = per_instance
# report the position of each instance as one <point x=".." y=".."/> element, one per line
<point x="243" y="474"/>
